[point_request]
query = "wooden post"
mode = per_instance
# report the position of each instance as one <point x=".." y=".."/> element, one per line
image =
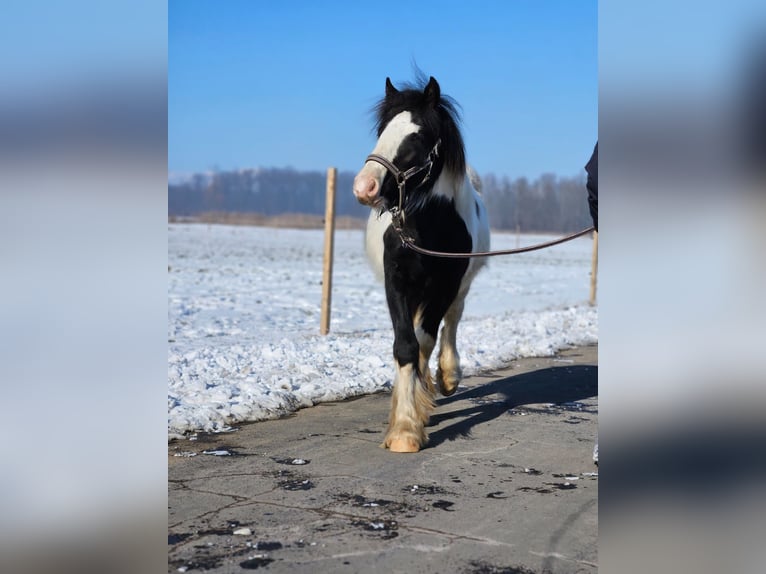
<point x="594" y="269"/>
<point x="329" y="241"/>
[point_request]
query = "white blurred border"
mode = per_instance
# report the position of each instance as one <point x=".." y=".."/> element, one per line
<point x="681" y="287"/>
<point x="83" y="204"/>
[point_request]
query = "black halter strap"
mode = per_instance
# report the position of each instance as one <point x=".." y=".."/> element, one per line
<point x="401" y="177"/>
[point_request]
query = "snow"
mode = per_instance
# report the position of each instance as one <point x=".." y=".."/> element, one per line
<point x="244" y="310"/>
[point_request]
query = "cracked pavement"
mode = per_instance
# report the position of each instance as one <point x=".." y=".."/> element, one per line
<point x="506" y="485"/>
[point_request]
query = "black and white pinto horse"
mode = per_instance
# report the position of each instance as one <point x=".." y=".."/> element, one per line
<point x="418" y="170"/>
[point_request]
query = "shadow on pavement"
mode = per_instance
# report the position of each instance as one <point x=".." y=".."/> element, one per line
<point x="550" y="385"/>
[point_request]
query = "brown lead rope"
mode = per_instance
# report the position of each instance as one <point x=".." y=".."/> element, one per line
<point x="397" y="212"/>
<point x="407" y="241"/>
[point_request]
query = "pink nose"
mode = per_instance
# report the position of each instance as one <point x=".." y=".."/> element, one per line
<point x="365" y="188"/>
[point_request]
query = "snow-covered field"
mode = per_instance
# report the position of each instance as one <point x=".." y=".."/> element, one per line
<point x="244" y="309"/>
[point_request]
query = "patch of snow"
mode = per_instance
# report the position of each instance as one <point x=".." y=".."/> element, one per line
<point x="244" y="309"/>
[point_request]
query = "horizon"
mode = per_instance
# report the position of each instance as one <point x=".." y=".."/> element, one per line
<point x="179" y="178"/>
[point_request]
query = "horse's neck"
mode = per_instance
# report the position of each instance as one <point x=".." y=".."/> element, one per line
<point x="457" y="189"/>
<point x="447" y="186"/>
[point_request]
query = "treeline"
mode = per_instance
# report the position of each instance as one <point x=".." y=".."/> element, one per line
<point x="271" y="191"/>
<point x="546" y="204"/>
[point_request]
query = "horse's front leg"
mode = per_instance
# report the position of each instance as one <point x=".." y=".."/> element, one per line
<point x="411" y="402"/>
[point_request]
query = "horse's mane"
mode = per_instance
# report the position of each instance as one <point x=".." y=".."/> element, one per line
<point x="443" y="120"/>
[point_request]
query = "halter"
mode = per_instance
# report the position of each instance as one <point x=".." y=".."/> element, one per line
<point x="401" y="177"/>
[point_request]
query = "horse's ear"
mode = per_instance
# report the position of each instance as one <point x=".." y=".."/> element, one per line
<point x="432" y="92"/>
<point x="390" y="89"/>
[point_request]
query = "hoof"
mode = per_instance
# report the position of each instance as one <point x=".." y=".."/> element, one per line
<point x="448" y="387"/>
<point x="447" y="391"/>
<point x="404" y="445"/>
<point x="448" y="381"/>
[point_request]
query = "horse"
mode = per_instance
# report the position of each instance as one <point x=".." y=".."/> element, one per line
<point x="417" y="184"/>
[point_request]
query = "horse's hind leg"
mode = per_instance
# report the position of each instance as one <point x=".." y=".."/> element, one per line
<point x="426" y="343"/>
<point x="448" y="374"/>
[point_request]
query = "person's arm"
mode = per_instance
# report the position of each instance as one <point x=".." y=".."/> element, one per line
<point x="592" y="185"/>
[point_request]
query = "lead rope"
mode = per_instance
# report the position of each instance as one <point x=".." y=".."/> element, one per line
<point x="397" y="213"/>
<point x="408" y="242"/>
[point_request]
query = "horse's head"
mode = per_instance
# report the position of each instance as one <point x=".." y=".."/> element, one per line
<point x="418" y="138"/>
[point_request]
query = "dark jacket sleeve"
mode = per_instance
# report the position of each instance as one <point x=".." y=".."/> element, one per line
<point x="592" y="185"/>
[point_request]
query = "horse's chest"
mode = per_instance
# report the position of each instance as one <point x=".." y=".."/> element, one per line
<point x="437" y="227"/>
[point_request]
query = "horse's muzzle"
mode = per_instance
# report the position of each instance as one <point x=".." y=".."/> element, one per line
<point x="366" y="189"/>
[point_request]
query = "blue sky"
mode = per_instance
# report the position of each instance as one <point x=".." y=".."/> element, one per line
<point x="291" y="83"/>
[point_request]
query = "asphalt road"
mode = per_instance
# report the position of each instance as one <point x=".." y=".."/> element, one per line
<point x="506" y="485"/>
